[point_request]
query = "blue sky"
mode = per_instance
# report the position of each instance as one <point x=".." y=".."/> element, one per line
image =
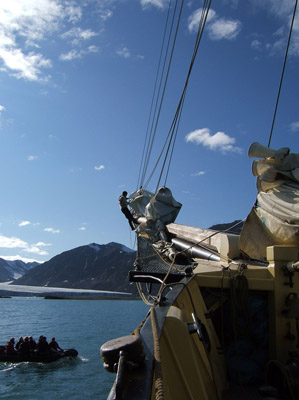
<point x="77" y="80"/>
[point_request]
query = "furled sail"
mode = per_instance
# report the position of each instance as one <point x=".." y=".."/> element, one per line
<point x="154" y="211"/>
<point x="274" y="219"/>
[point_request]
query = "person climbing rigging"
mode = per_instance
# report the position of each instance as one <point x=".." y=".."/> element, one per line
<point x="123" y="203"/>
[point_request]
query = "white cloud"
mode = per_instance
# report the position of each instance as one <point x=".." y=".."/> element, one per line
<point x="2" y="108"/>
<point x="124" y="52"/>
<point x="105" y="14"/>
<point x="82" y="228"/>
<point x="99" y="167"/>
<point x="217" y="28"/>
<point x="224" y="29"/>
<point x="194" y="19"/>
<point x="256" y="44"/>
<point x="77" y="34"/>
<point x="42" y="244"/>
<point x="294" y="126"/>
<point x="27" y="66"/>
<point x="155" y="3"/>
<point x="282" y="10"/>
<point x="199" y="173"/>
<point x="36" y="250"/>
<point x="219" y="141"/>
<point x="30" y="21"/>
<point x="26" y="24"/>
<point x="73" y="54"/>
<point x="24" y="223"/>
<point x="14" y="243"/>
<point x="31" y="158"/>
<point x="92" y="49"/>
<point x="75" y="170"/>
<point x="77" y="37"/>
<point x="52" y="230"/>
<point x="73" y="12"/>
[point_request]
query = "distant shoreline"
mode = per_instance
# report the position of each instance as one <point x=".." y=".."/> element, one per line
<point x="8" y="290"/>
<point x="90" y="298"/>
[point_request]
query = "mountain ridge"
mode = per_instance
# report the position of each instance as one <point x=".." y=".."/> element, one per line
<point x="92" y="266"/>
<point x="13" y="269"/>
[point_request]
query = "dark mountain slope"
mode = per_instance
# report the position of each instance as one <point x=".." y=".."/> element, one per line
<point x="94" y="266"/>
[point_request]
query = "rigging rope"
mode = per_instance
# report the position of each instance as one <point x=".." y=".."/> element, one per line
<point x="147" y="136"/>
<point x="154" y="117"/>
<point x="201" y="26"/>
<point x="172" y="134"/>
<point x="282" y="73"/>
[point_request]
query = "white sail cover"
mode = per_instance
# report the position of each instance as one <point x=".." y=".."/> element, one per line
<point x="139" y="200"/>
<point x="274" y="220"/>
<point x="160" y="206"/>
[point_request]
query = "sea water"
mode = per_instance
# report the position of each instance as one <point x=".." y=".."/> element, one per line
<point x="81" y="324"/>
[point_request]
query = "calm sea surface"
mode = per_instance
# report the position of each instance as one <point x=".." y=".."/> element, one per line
<point x="81" y="324"/>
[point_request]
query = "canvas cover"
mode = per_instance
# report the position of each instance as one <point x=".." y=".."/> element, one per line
<point x="274" y="220"/>
<point x="157" y="209"/>
<point x="160" y="206"/>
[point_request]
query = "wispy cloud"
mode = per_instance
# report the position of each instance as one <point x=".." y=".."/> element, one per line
<point x="24" y="223"/>
<point x="17" y="243"/>
<point x="28" y="21"/>
<point x="32" y="158"/>
<point x="220" y="141"/>
<point x="224" y="29"/>
<point x="199" y="173"/>
<point x="124" y="52"/>
<point x="99" y="167"/>
<point x="217" y="28"/>
<point x="282" y="10"/>
<point x="256" y="44"/>
<point x="75" y="170"/>
<point x="26" y="25"/>
<point x="73" y="54"/>
<point x="35" y="249"/>
<point x="294" y="126"/>
<point x="82" y="228"/>
<point x="77" y="36"/>
<point x="12" y="242"/>
<point x="153" y="3"/>
<point x="52" y="230"/>
<point x="2" y="108"/>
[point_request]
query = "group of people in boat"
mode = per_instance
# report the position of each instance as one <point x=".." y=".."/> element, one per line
<point x="27" y="345"/>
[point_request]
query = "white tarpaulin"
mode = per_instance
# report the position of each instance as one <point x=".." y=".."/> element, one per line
<point x="274" y="220"/>
<point x="163" y="207"/>
<point x="160" y="206"/>
<point x="158" y="210"/>
<point x="139" y="200"/>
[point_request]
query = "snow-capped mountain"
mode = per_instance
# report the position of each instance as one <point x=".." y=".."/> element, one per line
<point x="93" y="266"/>
<point x="11" y="270"/>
